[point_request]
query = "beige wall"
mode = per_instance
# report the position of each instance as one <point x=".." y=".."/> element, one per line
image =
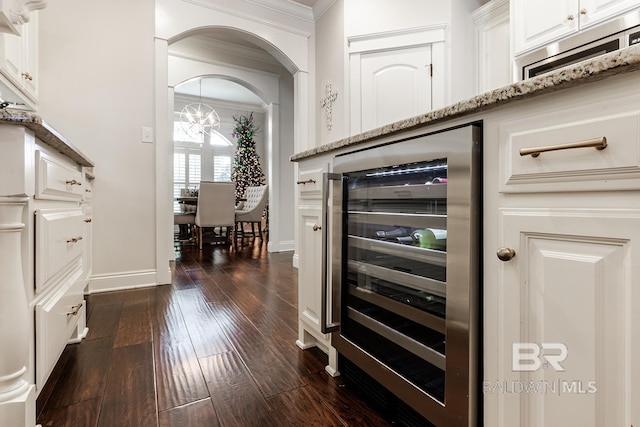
<point x="97" y="90"/>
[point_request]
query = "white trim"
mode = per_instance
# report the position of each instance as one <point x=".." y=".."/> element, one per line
<point x="121" y="281"/>
<point x="410" y="37"/>
<point x="321" y="7"/>
<point x="489" y="11"/>
<point x="163" y="147"/>
<point x="296" y="260"/>
<point x="253" y="18"/>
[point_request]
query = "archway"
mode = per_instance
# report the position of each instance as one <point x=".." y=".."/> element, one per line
<point x="272" y="109"/>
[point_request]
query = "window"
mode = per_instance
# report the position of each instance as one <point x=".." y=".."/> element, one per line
<point x="187" y="171"/>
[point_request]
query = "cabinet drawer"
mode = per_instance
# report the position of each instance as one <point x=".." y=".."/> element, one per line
<point x="59" y="243"/>
<point x="310" y="182"/>
<point x="56" y="179"/>
<point x="616" y="167"/>
<point x="56" y="318"/>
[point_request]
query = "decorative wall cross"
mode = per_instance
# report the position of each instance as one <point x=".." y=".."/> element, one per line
<point x="327" y="104"/>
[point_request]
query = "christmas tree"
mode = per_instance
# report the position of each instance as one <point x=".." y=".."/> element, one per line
<point x="247" y="171"/>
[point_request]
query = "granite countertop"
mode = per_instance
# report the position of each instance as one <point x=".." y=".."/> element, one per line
<point x="44" y="132"/>
<point x="618" y="62"/>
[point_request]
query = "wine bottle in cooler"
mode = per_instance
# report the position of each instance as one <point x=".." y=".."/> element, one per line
<point x="398" y="232"/>
<point x="431" y="238"/>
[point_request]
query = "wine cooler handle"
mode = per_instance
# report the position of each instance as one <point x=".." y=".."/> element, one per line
<point x="326" y="288"/>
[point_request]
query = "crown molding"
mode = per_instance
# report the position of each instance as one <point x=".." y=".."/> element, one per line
<point x="22" y="8"/>
<point x="287" y="7"/>
<point x="490" y="11"/>
<point x="209" y="4"/>
<point x="321" y="7"/>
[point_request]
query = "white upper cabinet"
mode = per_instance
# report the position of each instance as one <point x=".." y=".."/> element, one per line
<point x="15" y="13"/>
<point x="19" y="63"/>
<point x="595" y="11"/>
<point x="538" y="22"/>
<point x="494" y="49"/>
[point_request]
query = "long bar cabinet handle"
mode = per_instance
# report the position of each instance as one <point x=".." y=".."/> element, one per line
<point x="326" y="177"/>
<point x="73" y="182"/>
<point x="74" y="239"/>
<point x="597" y="143"/>
<point x="308" y="181"/>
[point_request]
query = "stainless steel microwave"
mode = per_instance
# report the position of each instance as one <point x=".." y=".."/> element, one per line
<point x="608" y="37"/>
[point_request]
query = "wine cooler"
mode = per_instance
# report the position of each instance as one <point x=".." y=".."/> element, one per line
<point x="401" y="270"/>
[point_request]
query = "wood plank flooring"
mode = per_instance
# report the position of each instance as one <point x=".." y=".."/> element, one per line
<point x="214" y="348"/>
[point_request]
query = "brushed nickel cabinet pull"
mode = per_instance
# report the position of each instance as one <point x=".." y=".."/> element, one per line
<point x="88" y="220"/>
<point x="309" y="181"/>
<point x="570" y="18"/>
<point x="506" y="254"/>
<point x="583" y="11"/>
<point x="316" y="227"/>
<point x="73" y="182"/>
<point x="74" y="239"/>
<point x="74" y="310"/>
<point x="597" y="143"/>
<point x="27" y="76"/>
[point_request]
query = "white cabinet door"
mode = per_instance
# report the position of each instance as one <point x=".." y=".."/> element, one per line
<point x="11" y="58"/>
<point x="566" y="327"/>
<point x="19" y="59"/>
<point x="395" y="85"/>
<point x="595" y="11"/>
<point x="494" y="48"/>
<point x="310" y="267"/>
<point x="537" y="22"/>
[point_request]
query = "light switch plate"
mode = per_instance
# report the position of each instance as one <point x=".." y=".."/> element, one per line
<point x="147" y="134"/>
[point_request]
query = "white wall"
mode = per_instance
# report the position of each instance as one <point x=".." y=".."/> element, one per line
<point x="97" y="90"/>
<point x="330" y="66"/>
<point x="375" y="16"/>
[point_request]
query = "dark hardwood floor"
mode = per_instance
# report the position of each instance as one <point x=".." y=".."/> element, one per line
<point x="214" y="348"/>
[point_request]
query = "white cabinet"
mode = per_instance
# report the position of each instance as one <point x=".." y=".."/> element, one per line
<point x="539" y="22"/>
<point x="595" y="11"/>
<point x="44" y="260"/>
<point x="310" y="257"/>
<point x="494" y="50"/>
<point x="560" y="316"/>
<point x="567" y="297"/>
<point x="19" y="61"/>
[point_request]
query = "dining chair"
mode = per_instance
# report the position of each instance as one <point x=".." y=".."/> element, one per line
<point x="215" y="208"/>
<point x="185" y="221"/>
<point x="256" y="201"/>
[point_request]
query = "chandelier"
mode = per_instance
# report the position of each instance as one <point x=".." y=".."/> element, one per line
<point x="199" y="119"/>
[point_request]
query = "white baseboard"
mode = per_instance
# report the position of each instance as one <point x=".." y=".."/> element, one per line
<point x="284" y="246"/>
<point x="296" y="259"/>
<point x="122" y="281"/>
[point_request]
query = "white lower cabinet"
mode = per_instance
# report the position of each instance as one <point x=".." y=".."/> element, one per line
<point x="44" y="262"/>
<point x="58" y="317"/>
<point x="562" y="260"/>
<point x="310" y="286"/>
<point x="565" y="320"/>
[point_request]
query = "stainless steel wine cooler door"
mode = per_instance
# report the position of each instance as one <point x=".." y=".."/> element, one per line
<point x="405" y="269"/>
